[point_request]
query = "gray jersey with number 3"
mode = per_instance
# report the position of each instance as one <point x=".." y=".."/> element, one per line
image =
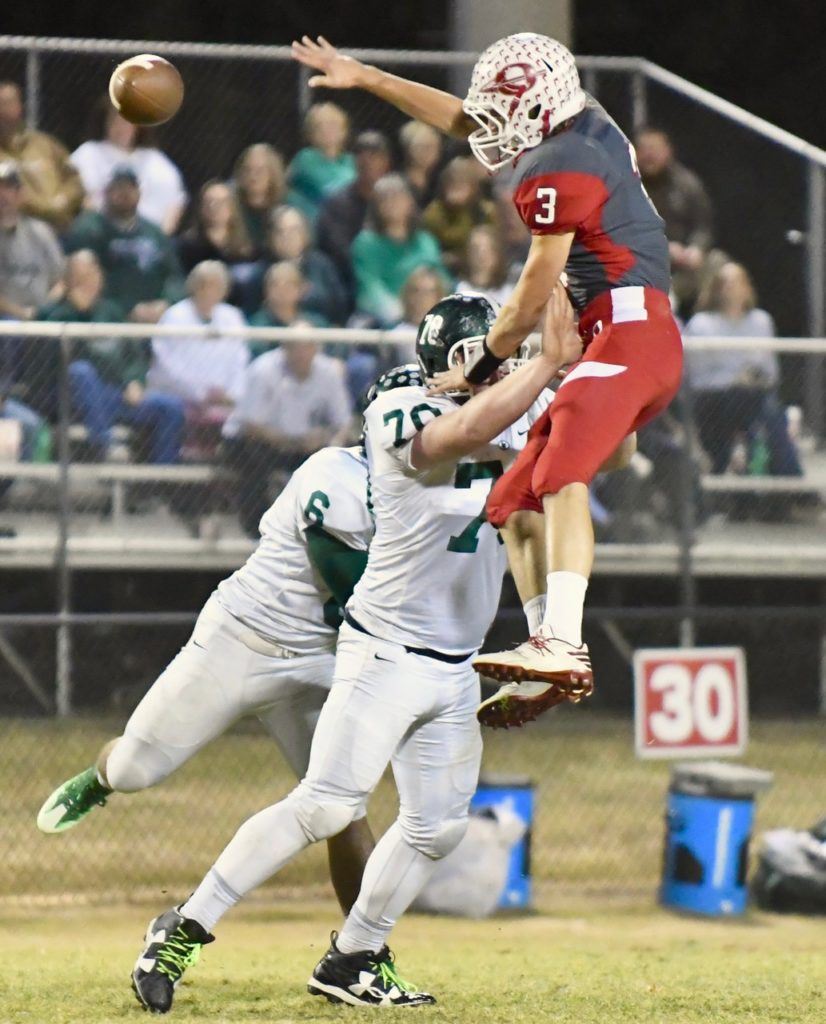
<point x="278" y="592"/>
<point x="435" y="567"/>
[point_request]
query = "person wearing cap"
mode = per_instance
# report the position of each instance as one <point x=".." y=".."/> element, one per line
<point x="50" y="184"/>
<point x="31" y="262"/>
<point x="139" y="261"/>
<point x="343" y="213"/>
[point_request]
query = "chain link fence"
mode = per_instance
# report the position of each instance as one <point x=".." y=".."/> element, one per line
<point x="114" y="529"/>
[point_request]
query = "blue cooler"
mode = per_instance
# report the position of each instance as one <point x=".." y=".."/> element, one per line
<point x="517" y="791"/>
<point x="708" y="828"/>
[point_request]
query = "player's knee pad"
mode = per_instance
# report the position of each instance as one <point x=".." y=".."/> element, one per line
<point x="434" y="840"/>
<point x="321" y="816"/>
<point x="135" y="764"/>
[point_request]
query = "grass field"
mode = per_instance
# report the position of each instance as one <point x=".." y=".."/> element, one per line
<point x="598" y="829"/>
<point x="588" y="967"/>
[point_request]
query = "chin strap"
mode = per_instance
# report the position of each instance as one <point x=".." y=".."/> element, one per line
<point x="481" y="364"/>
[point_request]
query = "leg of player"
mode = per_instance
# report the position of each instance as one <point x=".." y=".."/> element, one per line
<point x="436" y="770"/>
<point x="187" y="706"/>
<point x="524" y="537"/>
<point x="370" y="708"/>
<point x="348" y="853"/>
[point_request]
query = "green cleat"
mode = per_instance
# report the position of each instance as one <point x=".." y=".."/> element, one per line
<point x="71" y="802"/>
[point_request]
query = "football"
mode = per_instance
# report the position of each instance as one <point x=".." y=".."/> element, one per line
<point x="146" y="90"/>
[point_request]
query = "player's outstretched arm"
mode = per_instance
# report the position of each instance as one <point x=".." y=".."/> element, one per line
<point x="495" y="408"/>
<point x="440" y="109"/>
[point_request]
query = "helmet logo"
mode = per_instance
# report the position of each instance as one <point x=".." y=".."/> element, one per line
<point x="513" y="80"/>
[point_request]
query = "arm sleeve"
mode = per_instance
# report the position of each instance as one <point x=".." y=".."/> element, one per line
<point x="340" y="566"/>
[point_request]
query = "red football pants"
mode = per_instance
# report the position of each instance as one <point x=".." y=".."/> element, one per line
<point x="629" y="373"/>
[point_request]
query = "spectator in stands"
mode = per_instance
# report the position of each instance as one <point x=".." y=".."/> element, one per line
<point x="683" y="203"/>
<point x="260" y="184"/>
<point x="114" y="142"/>
<point x="139" y="262"/>
<point x="218" y="232"/>
<point x="325" y="298"/>
<point x="205" y="373"/>
<point x="284" y="289"/>
<point x="422" y="290"/>
<point x="735" y="392"/>
<point x="389" y="250"/>
<point x="324" y="166"/>
<point x="294" y="401"/>
<point x="107" y="376"/>
<point x="421" y="156"/>
<point x="51" y="187"/>
<point x="31" y="261"/>
<point x="343" y="214"/>
<point x="457" y="209"/>
<point x="485" y="270"/>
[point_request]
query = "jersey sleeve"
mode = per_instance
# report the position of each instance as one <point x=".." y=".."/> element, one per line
<point x="332" y="494"/>
<point x="560" y="186"/>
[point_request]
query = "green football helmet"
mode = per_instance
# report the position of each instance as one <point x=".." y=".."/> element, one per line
<point x="452" y="329"/>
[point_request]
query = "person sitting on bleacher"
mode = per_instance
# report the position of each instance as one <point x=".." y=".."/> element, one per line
<point x="289" y="239"/>
<point x="139" y="261"/>
<point x="294" y="401"/>
<point x="107" y="375"/>
<point x="458" y="208"/>
<point x="206" y="374"/>
<point x="735" y="393"/>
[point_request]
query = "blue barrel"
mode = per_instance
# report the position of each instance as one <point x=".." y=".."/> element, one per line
<point x="708" y="827"/>
<point x="517" y="793"/>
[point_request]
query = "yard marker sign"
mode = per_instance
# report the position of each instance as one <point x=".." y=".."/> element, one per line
<point x="690" y="701"/>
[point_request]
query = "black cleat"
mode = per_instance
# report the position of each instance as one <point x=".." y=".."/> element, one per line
<point x="363" y="979"/>
<point x="172" y="944"/>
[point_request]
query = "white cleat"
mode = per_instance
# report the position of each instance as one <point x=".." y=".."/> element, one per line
<point x="539" y="674"/>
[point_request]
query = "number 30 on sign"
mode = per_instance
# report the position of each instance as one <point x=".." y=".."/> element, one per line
<point x="690" y="701"/>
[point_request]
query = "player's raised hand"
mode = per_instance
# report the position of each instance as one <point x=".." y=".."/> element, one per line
<point x="561" y="342"/>
<point x="337" y="71"/>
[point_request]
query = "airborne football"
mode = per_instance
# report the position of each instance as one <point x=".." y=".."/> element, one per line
<point x="146" y="90"/>
<point x="413" y="514"/>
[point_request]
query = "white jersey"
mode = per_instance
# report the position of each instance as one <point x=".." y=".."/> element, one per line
<point x="435" y="568"/>
<point x="278" y="592"/>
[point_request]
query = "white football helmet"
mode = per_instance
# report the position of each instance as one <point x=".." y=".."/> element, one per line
<point x="522" y="87"/>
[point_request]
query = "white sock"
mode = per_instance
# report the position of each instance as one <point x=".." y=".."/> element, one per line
<point x="260" y="848"/>
<point x="210" y="901"/>
<point x="534" y="612"/>
<point x="566" y="600"/>
<point x="394" y="876"/>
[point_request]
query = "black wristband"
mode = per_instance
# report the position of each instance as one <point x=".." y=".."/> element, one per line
<point x="478" y="369"/>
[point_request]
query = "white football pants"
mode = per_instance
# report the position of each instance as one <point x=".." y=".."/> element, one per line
<point x="217" y="678"/>
<point x="385" y="706"/>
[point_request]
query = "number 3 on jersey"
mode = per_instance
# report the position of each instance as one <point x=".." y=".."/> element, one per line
<point x="546" y="201"/>
<point x="467" y="541"/>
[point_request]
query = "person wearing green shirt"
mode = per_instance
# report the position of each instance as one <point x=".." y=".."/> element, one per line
<point x="386" y="253"/>
<point x="139" y="261"/>
<point x="107" y="375"/>
<point x="322" y="167"/>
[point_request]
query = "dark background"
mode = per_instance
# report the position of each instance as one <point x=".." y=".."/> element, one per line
<point x="766" y="56"/>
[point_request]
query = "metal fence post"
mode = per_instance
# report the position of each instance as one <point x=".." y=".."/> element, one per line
<point x="32" y="88"/>
<point x="815" y="299"/>
<point x="687" y="525"/>
<point x="639" y="99"/>
<point x="63" y="652"/>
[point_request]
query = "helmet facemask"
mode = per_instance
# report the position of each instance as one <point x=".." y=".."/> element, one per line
<point x="464" y="349"/>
